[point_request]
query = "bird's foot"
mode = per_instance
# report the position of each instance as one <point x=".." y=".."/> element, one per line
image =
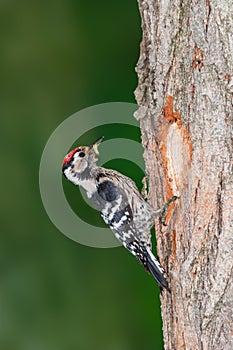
<point x="163" y="211"/>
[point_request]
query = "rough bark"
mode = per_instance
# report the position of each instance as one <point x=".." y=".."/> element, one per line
<point x="185" y="98"/>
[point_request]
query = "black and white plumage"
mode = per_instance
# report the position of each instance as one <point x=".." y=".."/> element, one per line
<point x="120" y="203"/>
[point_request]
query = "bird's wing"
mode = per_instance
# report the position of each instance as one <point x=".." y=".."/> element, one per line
<point x="142" y="213"/>
<point x="117" y="212"/>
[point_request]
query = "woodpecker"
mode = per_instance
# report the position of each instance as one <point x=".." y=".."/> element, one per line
<point x="120" y="204"/>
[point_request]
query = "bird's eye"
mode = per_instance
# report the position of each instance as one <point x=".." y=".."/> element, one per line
<point x="81" y="154"/>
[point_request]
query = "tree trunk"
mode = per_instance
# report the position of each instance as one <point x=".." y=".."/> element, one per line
<point x="185" y="98"/>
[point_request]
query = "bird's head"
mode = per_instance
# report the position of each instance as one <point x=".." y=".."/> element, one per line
<point x="80" y="161"/>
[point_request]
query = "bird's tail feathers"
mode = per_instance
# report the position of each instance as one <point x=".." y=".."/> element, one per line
<point x="156" y="270"/>
<point x="149" y="262"/>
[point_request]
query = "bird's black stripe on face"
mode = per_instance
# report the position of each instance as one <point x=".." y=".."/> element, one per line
<point x="65" y="166"/>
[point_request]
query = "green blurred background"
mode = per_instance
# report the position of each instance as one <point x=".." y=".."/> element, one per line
<point x="58" y="57"/>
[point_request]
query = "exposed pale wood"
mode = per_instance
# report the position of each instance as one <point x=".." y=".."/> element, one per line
<point x="185" y="94"/>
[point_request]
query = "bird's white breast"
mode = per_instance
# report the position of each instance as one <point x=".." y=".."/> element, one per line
<point x="89" y="186"/>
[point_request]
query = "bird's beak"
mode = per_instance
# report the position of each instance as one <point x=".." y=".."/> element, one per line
<point x="95" y="145"/>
